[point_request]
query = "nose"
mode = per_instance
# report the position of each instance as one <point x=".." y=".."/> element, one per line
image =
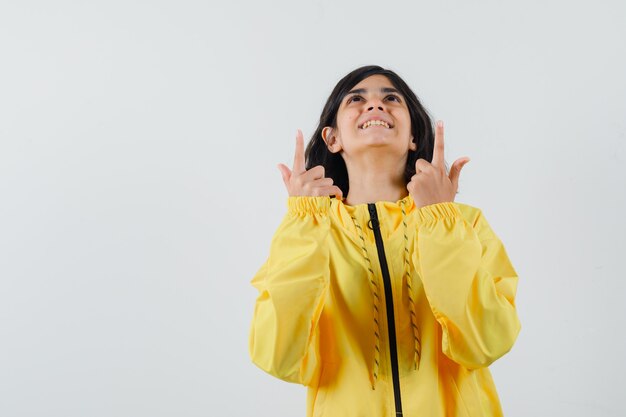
<point x="377" y="103"/>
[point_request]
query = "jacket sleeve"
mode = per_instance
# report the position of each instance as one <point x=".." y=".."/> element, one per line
<point x="292" y="285"/>
<point x="469" y="282"/>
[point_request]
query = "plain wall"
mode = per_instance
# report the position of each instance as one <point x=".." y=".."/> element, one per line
<point x="139" y="189"/>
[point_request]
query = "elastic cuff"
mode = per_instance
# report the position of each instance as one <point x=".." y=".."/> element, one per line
<point x="438" y="211"/>
<point x="308" y="205"/>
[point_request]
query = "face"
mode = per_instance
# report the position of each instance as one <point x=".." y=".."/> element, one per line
<point x="373" y="99"/>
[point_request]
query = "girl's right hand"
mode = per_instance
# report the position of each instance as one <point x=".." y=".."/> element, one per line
<point x="300" y="182"/>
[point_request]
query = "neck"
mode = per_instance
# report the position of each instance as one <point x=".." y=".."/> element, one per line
<point x="375" y="180"/>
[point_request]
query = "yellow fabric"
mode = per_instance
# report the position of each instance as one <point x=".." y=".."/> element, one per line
<point x="314" y="319"/>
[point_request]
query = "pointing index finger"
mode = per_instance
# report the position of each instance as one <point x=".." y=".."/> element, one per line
<point x="438" y="160"/>
<point x="298" y="158"/>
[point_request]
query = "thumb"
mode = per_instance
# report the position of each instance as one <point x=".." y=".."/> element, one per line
<point x="339" y="193"/>
<point x="455" y="171"/>
<point x="284" y="172"/>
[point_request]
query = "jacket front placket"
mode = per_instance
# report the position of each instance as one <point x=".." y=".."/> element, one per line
<point x="374" y="225"/>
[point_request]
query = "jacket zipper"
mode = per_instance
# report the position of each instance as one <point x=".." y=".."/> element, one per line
<point x="375" y="226"/>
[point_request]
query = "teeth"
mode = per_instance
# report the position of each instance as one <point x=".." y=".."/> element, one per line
<point x="376" y="123"/>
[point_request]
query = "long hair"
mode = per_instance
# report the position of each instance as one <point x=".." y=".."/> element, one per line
<point x="422" y="129"/>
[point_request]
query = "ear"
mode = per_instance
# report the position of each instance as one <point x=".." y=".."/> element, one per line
<point x="412" y="145"/>
<point x="328" y="134"/>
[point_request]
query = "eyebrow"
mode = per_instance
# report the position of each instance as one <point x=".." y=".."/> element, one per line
<point x="382" y="90"/>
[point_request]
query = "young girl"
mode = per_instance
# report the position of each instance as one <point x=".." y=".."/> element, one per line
<point x="389" y="299"/>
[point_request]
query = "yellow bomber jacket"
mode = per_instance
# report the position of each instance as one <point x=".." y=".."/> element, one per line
<point x="385" y="310"/>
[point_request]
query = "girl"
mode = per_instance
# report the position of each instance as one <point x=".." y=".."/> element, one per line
<point x="380" y="293"/>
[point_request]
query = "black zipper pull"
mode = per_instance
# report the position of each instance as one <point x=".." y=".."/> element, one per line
<point x="373" y="223"/>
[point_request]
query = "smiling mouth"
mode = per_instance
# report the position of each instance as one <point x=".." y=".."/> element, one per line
<point x="375" y="123"/>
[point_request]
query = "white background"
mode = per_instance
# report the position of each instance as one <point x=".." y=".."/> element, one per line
<point x="139" y="189"/>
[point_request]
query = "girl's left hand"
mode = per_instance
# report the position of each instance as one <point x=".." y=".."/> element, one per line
<point x="430" y="184"/>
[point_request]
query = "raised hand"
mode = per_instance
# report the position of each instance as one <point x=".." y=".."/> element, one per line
<point x="431" y="184"/>
<point x="300" y="182"/>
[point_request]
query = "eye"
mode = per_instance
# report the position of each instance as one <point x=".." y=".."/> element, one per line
<point x="358" y="97"/>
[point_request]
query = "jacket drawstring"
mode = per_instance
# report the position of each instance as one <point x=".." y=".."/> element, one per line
<point x="416" y="336"/>
<point x="374" y="288"/>
<point x="376" y="300"/>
